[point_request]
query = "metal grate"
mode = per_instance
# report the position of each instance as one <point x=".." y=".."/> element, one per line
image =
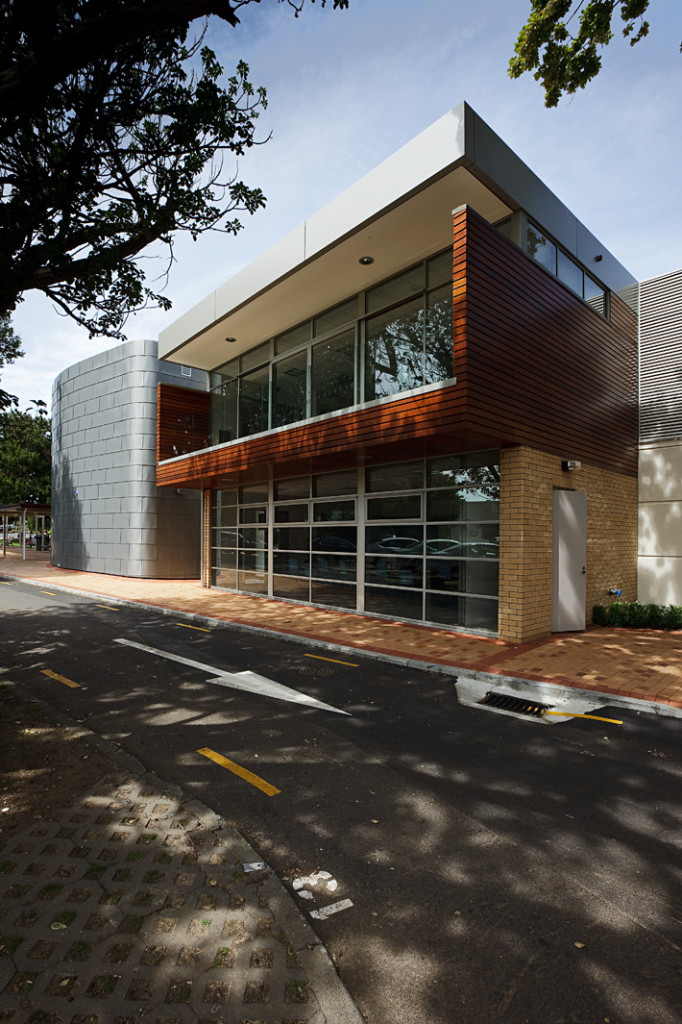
<point x="518" y="705"/>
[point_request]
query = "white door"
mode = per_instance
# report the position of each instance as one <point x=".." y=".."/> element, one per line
<point x="569" y="543"/>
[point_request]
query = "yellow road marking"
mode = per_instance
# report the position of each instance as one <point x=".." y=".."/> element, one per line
<point x="109" y="607"/>
<point x="48" y="592"/>
<point x="336" y="661"/>
<point x="187" y="626"/>
<point x="61" y="679"/>
<point x="243" y="773"/>
<point x="5" y="584"/>
<point x="592" y="718"/>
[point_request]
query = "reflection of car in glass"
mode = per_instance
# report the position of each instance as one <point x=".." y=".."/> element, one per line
<point x="332" y="543"/>
<point x="474" y="549"/>
<point x="396" y="546"/>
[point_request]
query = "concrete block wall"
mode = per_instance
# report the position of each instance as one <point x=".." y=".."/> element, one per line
<point x="108" y="515"/>
<point x="527" y="480"/>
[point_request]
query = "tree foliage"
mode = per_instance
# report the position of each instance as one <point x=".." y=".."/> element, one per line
<point x="10" y="349"/>
<point x="116" y="131"/>
<point x="562" y="40"/>
<point x="25" y="455"/>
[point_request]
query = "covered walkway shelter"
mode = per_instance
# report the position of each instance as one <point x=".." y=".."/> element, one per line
<point x="21" y="511"/>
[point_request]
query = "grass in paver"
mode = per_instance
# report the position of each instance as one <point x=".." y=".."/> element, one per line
<point x="112" y="896"/>
<point x="140" y="989"/>
<point x="64" y="917"/>
<point x="123" y="874"/>
<point x="42" y="950"/>
<point x="179" y="992"/>
<point x="48" y="892"/>
<point x="143" y="898"/>
<point x="21" y="982"/>
<point x="103" y="985"/>
<point x="136" y="855"/>
<point x="7" y="867"/>
<point x="118" y="953"/>
<point x="90" y="1018"/>
<point x="9" y="944"/>
<point x="79" y="895"/>
<point x="296" y="991"/>
<point x="61" y="985"/>
<point x="131" y="924"/>
<point x="17" y="892"/>
<point x="80" y="951"/>
<point x="216" y="992"/>
<point x="256" y="992"/>
<point x="94" y="871"/>
<point x="162" y="858"/>
<point x="153" y="956"/>
<point x="224" y="957"/>
<point x="189" y="956"/>
<point x="147" y="837"/>
<point x="261" y="958"/>
<point x="27" y="918"/>
<point x="152" y="877"/>
<point x="40" y="1017"/>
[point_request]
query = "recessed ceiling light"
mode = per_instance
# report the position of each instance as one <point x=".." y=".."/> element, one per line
<point x="230" y="341"/>
<point x="366" y="261"/>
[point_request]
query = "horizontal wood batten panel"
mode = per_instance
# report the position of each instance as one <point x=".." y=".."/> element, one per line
<point x="541" y="363"/>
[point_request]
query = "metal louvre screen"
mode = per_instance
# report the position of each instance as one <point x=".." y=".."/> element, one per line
<point x="661" y="358"/>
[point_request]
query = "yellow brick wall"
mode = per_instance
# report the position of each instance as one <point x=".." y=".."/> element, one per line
<point x="527" y="480"/>
<point x="206" y="540"/>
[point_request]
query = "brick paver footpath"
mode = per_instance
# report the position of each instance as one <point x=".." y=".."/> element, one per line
<point x="141" y="904"/>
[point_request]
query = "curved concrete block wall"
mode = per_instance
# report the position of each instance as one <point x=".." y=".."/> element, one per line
<point x="108" y="515"/>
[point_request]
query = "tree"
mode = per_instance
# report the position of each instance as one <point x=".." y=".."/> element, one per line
<point x="10" y="349"/>
<point x="114" y="134"/>
<point x="25" y="455"/>
<point x="564" y="59"/>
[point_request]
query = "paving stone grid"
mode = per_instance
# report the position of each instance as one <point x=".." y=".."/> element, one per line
<point x="135" y="906"/>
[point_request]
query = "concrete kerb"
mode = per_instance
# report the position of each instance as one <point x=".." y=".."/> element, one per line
<point x="336" y="1004"/>
<point x="516" y="683"/>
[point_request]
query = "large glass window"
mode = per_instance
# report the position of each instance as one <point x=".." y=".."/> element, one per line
<point x="423" y="544"/>
<point x="333" y="374"/>
<point x="395" y="336"/>
<point x="290" y="389"/>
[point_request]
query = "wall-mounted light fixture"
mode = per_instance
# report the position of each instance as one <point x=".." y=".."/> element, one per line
<point x="570" y="465"/>
<point x="230" y="341"/>
<point x="366" y="261"/>
<point x="598" y="258"/>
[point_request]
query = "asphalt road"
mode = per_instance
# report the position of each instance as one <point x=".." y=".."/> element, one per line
<point x="499" y="869"/>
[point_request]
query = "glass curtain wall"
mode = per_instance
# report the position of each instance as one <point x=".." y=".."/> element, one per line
<point x="416" y="540"/>
<point x="392" y="338"/>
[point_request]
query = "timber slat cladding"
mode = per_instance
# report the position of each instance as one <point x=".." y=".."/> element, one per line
<point x="540" y="363"/>
<point x="182" y="420"/>
<point x="534" y="365"/>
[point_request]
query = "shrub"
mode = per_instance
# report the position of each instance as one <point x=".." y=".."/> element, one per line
<point x="632" y="615"/>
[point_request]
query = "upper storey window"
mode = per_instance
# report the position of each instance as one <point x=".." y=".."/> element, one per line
<point x="391" y="338"/>
<point x="568" y="270"/>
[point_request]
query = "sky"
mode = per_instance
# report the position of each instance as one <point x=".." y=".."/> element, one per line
<point x="348" y="88"/>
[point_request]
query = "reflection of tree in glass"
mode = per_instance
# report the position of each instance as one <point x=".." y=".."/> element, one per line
<point x="410" y="346"/>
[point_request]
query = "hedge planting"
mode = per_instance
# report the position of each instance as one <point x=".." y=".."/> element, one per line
<point x="633" y="615"/>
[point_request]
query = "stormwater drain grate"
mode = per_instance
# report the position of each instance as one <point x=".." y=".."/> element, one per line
<point x="517" y="705"/>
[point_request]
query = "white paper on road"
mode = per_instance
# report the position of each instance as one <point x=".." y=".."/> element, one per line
<point x="248" y="681"/>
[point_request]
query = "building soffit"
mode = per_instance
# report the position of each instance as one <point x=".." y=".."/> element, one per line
<point x="398" y="213"/>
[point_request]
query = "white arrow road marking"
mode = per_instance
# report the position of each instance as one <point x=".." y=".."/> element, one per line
<point x="251" y="682"/>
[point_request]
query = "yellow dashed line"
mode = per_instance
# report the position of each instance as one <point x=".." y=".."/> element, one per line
<point x="109" y="607"/>
<point x="48" y="592"/>
<point x="61" y="679"/>
<point x="187" y="626"/>
<point x="5" y="584"/>
<point x="336" y="661"/>
<point x="237" y="769"/>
